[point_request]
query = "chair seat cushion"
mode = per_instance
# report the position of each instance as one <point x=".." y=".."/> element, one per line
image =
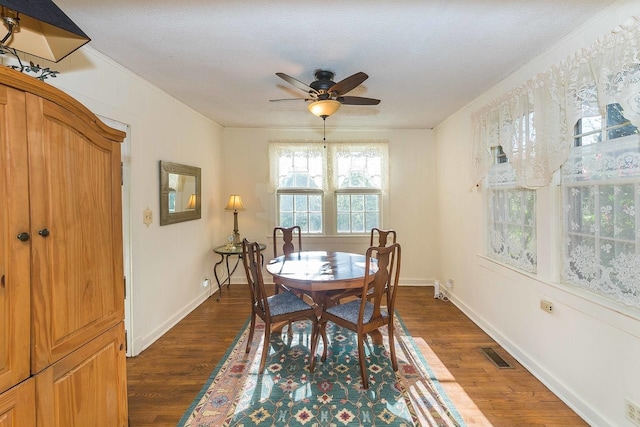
<point x="350" y="310"/>
<point x="285" y="303"/>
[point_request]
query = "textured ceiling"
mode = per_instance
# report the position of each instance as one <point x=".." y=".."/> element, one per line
<point x="425" y="59"/>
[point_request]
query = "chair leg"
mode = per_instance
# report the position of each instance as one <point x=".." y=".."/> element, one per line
<point x="363" y="362"/>
<point x="265" y="347"/>
<point x="314" y="344"/>
<point x="290" y="329"/>
<point x="323" y="330"/>
<point x="392" y="344"/>
<point x="252" y="329"/>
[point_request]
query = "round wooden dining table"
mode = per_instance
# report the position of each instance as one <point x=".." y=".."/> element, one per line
<point x="318" y="273"/>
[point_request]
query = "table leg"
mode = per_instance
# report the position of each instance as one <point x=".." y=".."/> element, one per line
<point x="225" y="258"/>
<point x="215" y="273"/>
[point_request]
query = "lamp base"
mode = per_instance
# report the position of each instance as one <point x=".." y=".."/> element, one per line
<point x="236" y="235"/>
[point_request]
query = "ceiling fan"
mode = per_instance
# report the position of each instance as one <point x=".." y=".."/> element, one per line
<point x="325" y="95"/>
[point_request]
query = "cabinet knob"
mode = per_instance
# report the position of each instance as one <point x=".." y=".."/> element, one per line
<point x="44" y="232"/>
<point x="23" y="237"/>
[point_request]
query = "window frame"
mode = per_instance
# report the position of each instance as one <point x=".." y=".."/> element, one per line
<point x="590" y="184"/>
<point x="330" y="194"/>
<point x="501" y="180"/>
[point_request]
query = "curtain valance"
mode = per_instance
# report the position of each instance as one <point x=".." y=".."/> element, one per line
<point x="313" y="158"/>
<point x="534" y="123"/>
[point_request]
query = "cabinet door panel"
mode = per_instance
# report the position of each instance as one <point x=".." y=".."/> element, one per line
<point x="17" y="406"/>
<point x="77" y="279"/>
<point x="14" y="254"/>
<point x="86" y="388"/>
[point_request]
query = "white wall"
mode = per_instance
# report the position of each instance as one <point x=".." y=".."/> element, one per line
<point x="588" y="351"/>
<point x="169" y="262"/>
<point x="411" y="202"/>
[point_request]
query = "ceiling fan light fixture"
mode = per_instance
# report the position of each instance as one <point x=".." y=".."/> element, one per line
<point x="324" y="108"/>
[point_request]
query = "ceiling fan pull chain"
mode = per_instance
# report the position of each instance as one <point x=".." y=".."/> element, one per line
<point x="324" y="129"/>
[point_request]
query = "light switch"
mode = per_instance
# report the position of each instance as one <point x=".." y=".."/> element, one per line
<point x="147" y="217"/>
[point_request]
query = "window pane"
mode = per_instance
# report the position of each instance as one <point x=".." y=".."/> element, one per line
<point x="315" y="203"/>
<point x="372" y="202"/>
<point x="304" y="210"/>
<point x="301" y="219"/>
<point x="357" y="203"/>
<point x="315" y="223"/>
<point x="358" y="166"/>
<point x="286" y="220"/>
<point x="589" y="139"/>
<point x="512" y="233"/>
<point x="357" y="213"/>
<point x="590" y="124"/>
<point x="301" y="167"/>
<point x="300" y="203"/>
<point x="615" y="115"/>
<point x="286" y="203"/>
<point x="343" y="202"/>
<point x="344" y="225"/>
<point x="371" y="220"/>
<point x="357" y="222"/>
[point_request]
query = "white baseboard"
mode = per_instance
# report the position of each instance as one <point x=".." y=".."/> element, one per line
<point x="141" y="343"/>
<point x="585" y="411"/>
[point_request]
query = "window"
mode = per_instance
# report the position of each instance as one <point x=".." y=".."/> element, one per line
<point x="358" y="181"/>
<point x="332" y="186"/>
<point x="600" y="193"/>
<point x="511" y="216"/>
<point x="301" y="174"/>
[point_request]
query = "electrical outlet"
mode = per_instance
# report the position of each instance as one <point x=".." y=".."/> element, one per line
<point x="546" y="306"/>
<point x="205" y="283"/>
<point x="633" y="412"/>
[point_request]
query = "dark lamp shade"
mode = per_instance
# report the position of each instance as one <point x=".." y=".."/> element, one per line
<point x="43" y="30"/>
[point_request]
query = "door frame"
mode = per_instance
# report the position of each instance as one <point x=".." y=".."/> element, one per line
<point x="125" y="151"/>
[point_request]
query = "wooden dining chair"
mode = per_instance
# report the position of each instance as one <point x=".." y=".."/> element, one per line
<point x="369" y="312"/>
<point x="381" y="237"/>
<point x="378" y="237"/>
<point x="285" y="236"/>
<point x="282" y="307"/>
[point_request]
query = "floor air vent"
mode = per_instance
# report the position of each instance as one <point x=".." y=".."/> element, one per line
<point x="496" y="358"/>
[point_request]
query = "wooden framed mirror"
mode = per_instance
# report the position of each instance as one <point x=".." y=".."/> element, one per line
<point x="179" y="193"/>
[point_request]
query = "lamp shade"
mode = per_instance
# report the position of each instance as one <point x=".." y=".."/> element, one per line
<point x="191" y="204"/>
<point x="43" y="29"/>
<point x="234" y="203"/>
<point x="324" y="108"/>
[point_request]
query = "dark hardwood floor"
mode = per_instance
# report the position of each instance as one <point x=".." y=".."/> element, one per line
<point x="165" y="378"/>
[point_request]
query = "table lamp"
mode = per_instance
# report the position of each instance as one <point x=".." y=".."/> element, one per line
<point x="235" y="204"/>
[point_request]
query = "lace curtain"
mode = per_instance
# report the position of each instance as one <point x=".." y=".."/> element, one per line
<point x="368" y="159"/>
<point x="600" y="194"/>
<point x="308" y="158"/>
<point x="286" y="157"/>
<point x="607" y="72"/>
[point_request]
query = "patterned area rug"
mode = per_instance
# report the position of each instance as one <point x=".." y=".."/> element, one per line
<point x="287" y="394"/>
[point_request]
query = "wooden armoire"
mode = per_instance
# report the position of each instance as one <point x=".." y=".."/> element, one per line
<point x="62" y="345"/>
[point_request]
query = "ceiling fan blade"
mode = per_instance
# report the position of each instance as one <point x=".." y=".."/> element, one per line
<point x="292" y="99"/>
<point x="357" y="100"/>
<point x="296" y="83"/>
<point x="348" y="84"/>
